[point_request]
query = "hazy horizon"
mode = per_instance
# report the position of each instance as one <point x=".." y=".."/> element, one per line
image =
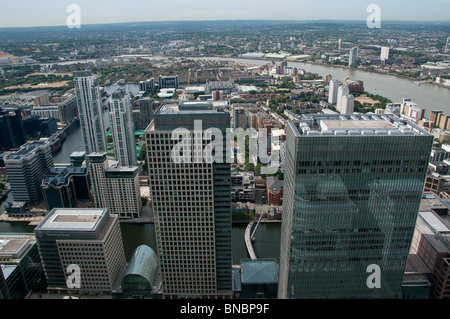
<point x="48" y="13"/>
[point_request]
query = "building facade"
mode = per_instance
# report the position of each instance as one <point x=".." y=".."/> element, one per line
<point x="90" y="112"/>
<point x="122" y="128"/>
<point x="114" y="187"/>
<point x="168" y="82"/>
<point x="26" y="168"/>
<point x="63" y="187"/>
<point x="353" y="57"/>
<point x="353" y="186"/>
<point x="333" y="92"/>
<point x="191" y="202"/>
<point x="20" y="265"/>
<point x="12" y="131"/>
<point x="88" y="238"/>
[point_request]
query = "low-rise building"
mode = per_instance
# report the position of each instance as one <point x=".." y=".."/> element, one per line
<point x="431" y="243"/>
<point x="274" y="190"/>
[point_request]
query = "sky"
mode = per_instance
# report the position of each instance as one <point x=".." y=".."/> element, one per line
<point x="24" y="13"/>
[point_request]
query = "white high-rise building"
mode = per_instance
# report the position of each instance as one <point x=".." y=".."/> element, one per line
<point x="347" y="104"/>
<point x="353" y="59"/>
<point x="333" y="91"/>
<point x="122" y="128"/>
<point x="115" y="187"/>
<point x="342" y="91"/>
<point x="90" y="112"/>
<point x="384" y="53"/>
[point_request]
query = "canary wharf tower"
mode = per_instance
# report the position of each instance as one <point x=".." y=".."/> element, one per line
<point x="353" y="185"/>
<point x="191" y="201"/>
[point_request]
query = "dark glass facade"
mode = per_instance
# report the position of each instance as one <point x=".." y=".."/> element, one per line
<point x="350" y="201"/>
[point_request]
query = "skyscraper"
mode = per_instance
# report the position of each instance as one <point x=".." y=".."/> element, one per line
<point x="351" y="197"/>
<point x="90" y="112"/>
<point x="353" y="58"/>
<point x="333" y="91"/>
<point x="347" y="104"/>
<point x="191" y="202"/>
<point x="146" y="109"/>
<point x="384" y="55"/>
<point x="122" y="128"/>
<point x="343" y="90"/>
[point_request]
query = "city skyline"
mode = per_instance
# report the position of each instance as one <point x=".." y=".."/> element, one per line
<point x="23" y="14"/>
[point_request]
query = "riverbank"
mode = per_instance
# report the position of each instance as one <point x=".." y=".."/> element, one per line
<point x="32" y="221"/>
<point x="344" y="67"/>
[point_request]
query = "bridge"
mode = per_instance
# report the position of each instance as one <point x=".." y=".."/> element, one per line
<point x="249" y="237"/>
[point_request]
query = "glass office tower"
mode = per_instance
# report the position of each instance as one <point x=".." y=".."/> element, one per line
<point x="352" y="193"/>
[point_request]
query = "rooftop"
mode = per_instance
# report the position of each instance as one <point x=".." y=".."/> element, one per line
<point x="259" y="271"/>
<point x="26" y="150"/>
<point x="13" y="246"/>
<point x="354" y="124"/>
<point x="60" y="176"/>
<point x="72" y="219"/>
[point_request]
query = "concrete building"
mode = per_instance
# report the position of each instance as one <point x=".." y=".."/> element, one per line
<point x="343" y="90"/>
<point x="147" y="85"/>
<point x="77" y="159"/>
<point x="64" y="111"/>
<point x="88" y="238"/>
<point x="114" y="187"/>
<point x="225" y="86"/>
<point x="333" y="92"/>
<point x="122" y="128"/>
<point x="242" y="187"/>
<point x="240" y="118"/>
<point x="26" y="168"/>
<point x="274" y="190"/>
<point x="347" y="104"/>
<point x="191" y="201"/>
<point x="90" y="112"/>
<point x="168" y="82"/>
<point x="411" y="111"/>
<point x="431" y="242"/>
<point x="20" y="265"/>
<point x="146" y="109"/>
<point x="353" y="57"/>
<point x="353" y="185"/>
<point x="384" y="55"/>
